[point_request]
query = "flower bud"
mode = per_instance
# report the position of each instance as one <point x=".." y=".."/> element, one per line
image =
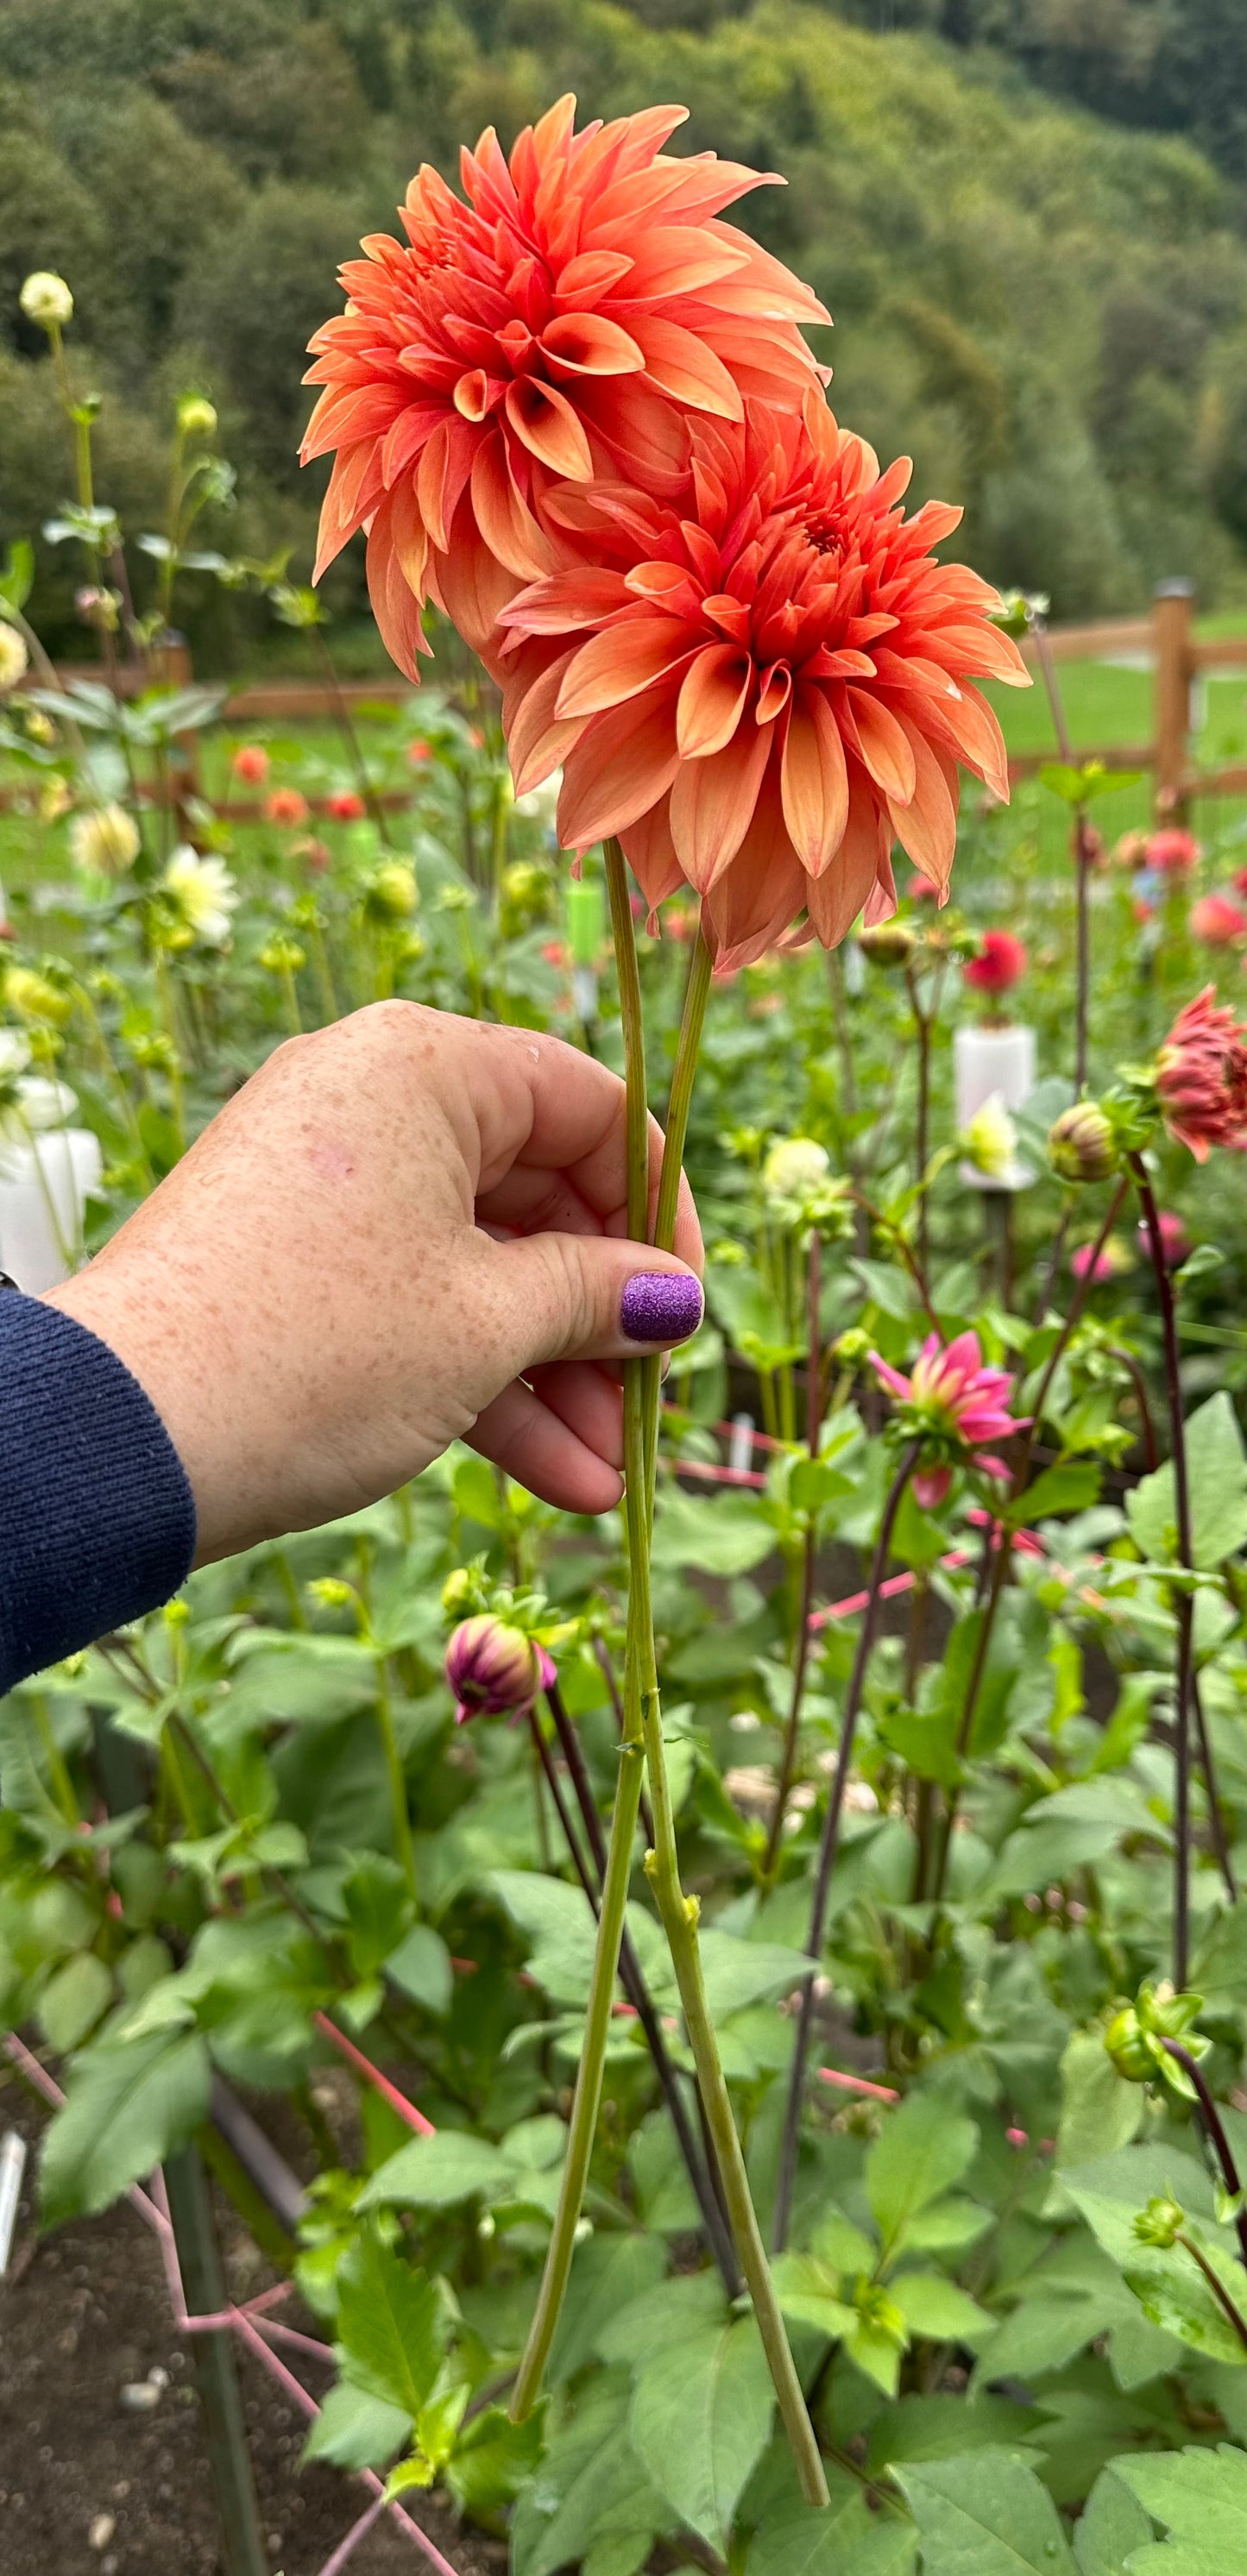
<point x="793" y="1168"/>
<point x="1161" y="2223"/>
<point x="105" y="838"/>
<point x="332" y="1591"/>
<point x="391" y="894"/>
<point x="196" y="417"/>
<point x="889" y="943"/>
<point x="457" y="1591"/>
<point x="1080" y="1144"/>
<point x="851" y="1347"/>
<point x="1126" y="2042"/>
<point x="990" y="1141"/>
<point x="493" y="1669"/>
<point x="46" y="299"/>
<point x="14" y="657"/>
<point x="34" y="998"/>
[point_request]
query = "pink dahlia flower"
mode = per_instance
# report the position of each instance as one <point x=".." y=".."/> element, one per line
<point x="493" y="1669"/>
<point x="952" y="1403"/>
<point x="1201" y="1077"/>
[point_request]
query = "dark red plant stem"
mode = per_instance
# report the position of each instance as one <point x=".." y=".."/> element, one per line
<point x="829" y="1843"/>
<point x="704" y="2177"/>
<point x="922" y="1138"/>
<point x="809" y="1563"/>
<point x="1184" y="1607"/>
<point x="1215" y="2130"/>
<point x="1216" y="1820"/>
<point x="1217" y="2287"/>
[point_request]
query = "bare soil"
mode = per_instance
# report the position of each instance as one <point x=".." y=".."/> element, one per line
<point x="85" y="2313"/>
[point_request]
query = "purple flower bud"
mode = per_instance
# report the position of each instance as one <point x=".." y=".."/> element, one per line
<point x="493" y="1670"/>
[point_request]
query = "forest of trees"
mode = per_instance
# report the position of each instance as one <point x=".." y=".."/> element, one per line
<point x="1029" y="218"/>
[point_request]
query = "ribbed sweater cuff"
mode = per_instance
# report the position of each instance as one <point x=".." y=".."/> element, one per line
<point x="97" y="1520"/>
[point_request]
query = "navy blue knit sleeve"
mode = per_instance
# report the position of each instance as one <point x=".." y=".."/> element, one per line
<point x="97" y="1521"/>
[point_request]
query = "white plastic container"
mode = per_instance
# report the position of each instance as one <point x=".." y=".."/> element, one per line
<point x="993" y="1064"/>
<point x="42" y="1204"/>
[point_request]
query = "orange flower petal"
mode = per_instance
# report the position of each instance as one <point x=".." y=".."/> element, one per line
<point x="712" y="805"/>
<point x="712" y="700"/>
<point x="883" y="745"/>
<point x="545" y="423"/>
<point x="815" y="780"/>
<point x="623" y="763"/>
<point x="588" y="344"/>
<point x="619" y="664"/>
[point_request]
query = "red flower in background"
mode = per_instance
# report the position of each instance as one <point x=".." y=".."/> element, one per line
<point x="1175" y="1242"/>
<point x="418" y="752"/>
<point x="760" y="687"/>
<point x="285" y="805"/>
<point x="250" y="763"/>
<point x="562" y="325"/>
<point x="1173" y="851"/>
<point x="344" y="806"/>
<point x="1000" y="964"/>
<point x="1201" y="1077"/>
<point x="1216" y="922"/>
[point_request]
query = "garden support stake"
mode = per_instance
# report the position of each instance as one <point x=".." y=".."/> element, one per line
<point x="216" y="2371"/>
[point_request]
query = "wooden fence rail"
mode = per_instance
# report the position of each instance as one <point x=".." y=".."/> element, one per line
<point x="1165" y="640"/>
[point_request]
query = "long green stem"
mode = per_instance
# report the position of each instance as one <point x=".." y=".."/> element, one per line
<point x="688" y="1046"/>
<point x="397" y="1778"/>
<point x="642" y="1703"/>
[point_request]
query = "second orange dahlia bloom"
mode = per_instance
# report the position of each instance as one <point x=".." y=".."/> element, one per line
<point x="560" y="325"/>
<point x="760" y="685"/>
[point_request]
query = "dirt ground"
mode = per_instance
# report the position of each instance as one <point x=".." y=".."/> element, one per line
<point x="89" y="2485"/>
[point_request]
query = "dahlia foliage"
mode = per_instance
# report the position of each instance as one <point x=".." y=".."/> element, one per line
<point x="578" y="413"/>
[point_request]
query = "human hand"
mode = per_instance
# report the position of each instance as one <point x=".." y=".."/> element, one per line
<point x="404" y="1230"/>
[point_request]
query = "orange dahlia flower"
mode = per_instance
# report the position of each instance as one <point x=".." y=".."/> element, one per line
<point x="561" y="324"/>
<point x="759" y="688"/>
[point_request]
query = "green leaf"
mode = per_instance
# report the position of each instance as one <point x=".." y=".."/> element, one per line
<point x="922" y="2149"/>
<point x="1100" y="2110"/>
<point x="356" y="2431"/>
<point x="438" y="2172"/>
<point x="421" y="1966"/>
<point x="1166" y="2280"/>
<point x="377" y="1904"/>
<point x="738" y="1973"/>
<point x="946" y="2427"/>
<point x="985" y="2515"/>
<point x="592" y="2487"/>
<point x="700" y="2421"/>
<point x="1201" y="2498"/>
<point x="935" y="2307"/>
<point x="726" y="1537"/>
<point x="74" y="2000"/>
<point x="416" y="2472"/>
<point x="1110" y="2526"/>
<point x="391" y="2331"/>
<point x="493" y="2461"/>
<point x="807" y="2541"/>
<point x="1217" y="1469"/>
<point x="1066" y="1488"/>
<point x="128" y="2105"/>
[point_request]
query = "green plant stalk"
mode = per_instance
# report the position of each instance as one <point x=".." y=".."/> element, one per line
<point x="809" y="1562"/>
<point x="403" y="1850"/>
<point x="588" y="2093"/>
<point x="688" y="1047"/>
<point x="642" y="1704"/>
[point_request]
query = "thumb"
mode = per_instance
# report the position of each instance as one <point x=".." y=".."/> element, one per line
<point x="590" y="1297"/>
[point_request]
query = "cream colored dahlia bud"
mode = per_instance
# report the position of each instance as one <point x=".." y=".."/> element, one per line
<point x="391" y="894"/>
<point x="1080" y="1144"/>
<point x="14" y="658"/>
<point x="46" y="299"/>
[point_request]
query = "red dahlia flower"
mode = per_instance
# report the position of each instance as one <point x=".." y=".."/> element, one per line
<point x="285" y="805"/>
<point x="1173" y="851"/>
<point x="250" y="763"/>
<point x="953" y="1404"/>
<point x="345" y="806"/>
<point x="1001" y="962"/>
<point x="760" y="686"/>
<point x="560" y="325"/>
<point x="1201" y="1077"/>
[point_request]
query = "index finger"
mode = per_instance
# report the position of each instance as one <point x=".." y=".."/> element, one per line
<point x="542" y="1112"/>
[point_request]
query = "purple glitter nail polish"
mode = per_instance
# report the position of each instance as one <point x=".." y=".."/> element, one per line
<point x="660" y="1306"/>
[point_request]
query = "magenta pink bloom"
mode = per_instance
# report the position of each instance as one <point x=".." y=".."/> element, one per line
<point x="1175" y="1242"/>
<point x="953" y="1404"/>
<point x="1216" y="922"/>
<point x="1201" y="1077"/>
<point x="1110" y="1261"/>
<point x="1173" y="851"/>
<point x="493" y="1669"/>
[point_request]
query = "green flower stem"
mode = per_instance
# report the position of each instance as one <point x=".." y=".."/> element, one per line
<point x="642" y="1705"/>
<point x="588" y="2094"/>
<point x="829" y="1843"/>
<point x="403" y="1850"/>
<point x="1214" y="2128"/>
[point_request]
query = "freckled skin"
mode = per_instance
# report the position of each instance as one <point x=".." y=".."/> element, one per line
<point x="405" y="1229"/>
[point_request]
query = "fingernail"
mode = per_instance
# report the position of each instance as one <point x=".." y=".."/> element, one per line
<point x="660" y="1306"/>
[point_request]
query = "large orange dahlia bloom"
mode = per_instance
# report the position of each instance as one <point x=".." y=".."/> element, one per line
<point x="759" y="687"/>
<point x="559" y="326"/>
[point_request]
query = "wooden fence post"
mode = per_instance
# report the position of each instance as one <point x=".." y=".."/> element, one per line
<point x="1171" y="627"/>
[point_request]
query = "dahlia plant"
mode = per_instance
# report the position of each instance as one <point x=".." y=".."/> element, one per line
<point x="578" y="412"/>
